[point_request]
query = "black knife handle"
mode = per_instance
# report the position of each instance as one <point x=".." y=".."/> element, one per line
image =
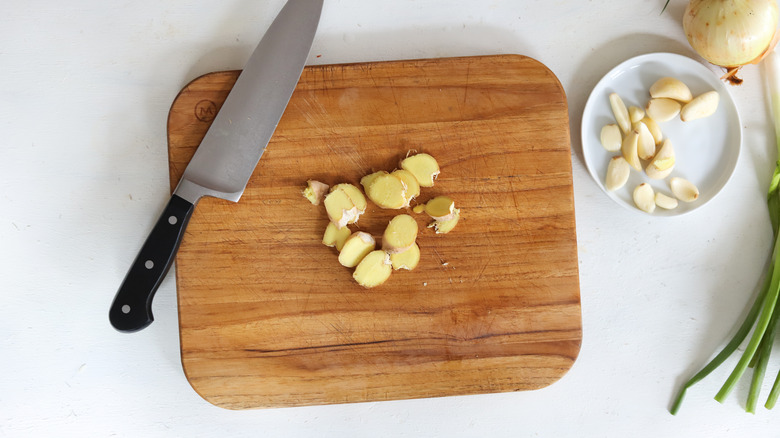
<point x="132" y="307"/>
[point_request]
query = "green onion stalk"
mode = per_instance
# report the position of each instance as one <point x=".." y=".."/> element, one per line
<point x="762" y="318"/>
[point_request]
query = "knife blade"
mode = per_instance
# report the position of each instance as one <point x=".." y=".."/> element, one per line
<point x="227" y="156"/>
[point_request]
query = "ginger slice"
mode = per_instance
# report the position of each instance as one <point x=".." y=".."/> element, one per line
<point x="355" y="195"/>
<point x="406" y="260"/>
<point x="440" y="208"/>
<point x="368" y="179"/>
<point x="315" y="191"/>
<point x="424" y="168"/>
<point x="387" y="191"/>
<point x="412" y="186"/>
<point x="444" y="227"/>
<point x="374" y="269"/>
<point x="400" y="234"/>
<point x="342" y="209"/>
<point x="335" y="236"/>
<point x="419" y="208"/>
<point x="357" y="246"/>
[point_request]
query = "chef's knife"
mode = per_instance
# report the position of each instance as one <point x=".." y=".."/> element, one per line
<point x="227" y="156"/>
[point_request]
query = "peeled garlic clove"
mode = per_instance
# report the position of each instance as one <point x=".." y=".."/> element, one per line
<point x="635" y="114"/>
<point x="620" y="112"/>
<point x="658" y="136"/>
<point x="644" y="197"/>
<point x="683" y="189"/>
<point x="671" y="88"/>
<point x="662" y="109"/>
<point x="665" y="202"/>
<point x="702" y="106"/>
<point x="663" y="162"/>
<point x="629" y="150"/>
<point x="645" y="141"/>
<point x="618" y="172"/>
<point x="611" y="138"/>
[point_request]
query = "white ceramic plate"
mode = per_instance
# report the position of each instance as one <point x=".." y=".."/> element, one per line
<point x="706" y="149"/>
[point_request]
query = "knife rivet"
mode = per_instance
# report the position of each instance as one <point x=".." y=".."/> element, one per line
<point x="172" y="220"/>
<point x="149" y="264"/>
<point x="125" y="309"/>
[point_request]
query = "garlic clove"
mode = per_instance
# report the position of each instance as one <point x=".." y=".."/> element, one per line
<point x="663" y="162"/>
<point x="702" y="106"/>
<point x="629" y="150"/>
<point x="662" y="109"/>
<point x="611" y="137"/>
<point x="671" y="88"/>
<point x="621" y="112"/>
<point x="654" y="129"/>
<point x="683" y="189"/>
<point x="664" y="201"/>
<point x="618" y="172"/>
<point x="635" y="114"/>
<point x="645" y="141"/>
<point x="644" y="197"/>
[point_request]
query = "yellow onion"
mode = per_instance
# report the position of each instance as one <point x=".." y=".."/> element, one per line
<point x="731" y="33"/>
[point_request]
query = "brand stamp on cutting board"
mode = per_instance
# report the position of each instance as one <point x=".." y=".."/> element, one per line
<point x="205" y="110"/>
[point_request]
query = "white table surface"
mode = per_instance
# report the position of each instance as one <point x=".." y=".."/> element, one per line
<point x="85" y="87"/>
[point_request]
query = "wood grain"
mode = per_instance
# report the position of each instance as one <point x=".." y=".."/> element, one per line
<point x="269" y="318"/>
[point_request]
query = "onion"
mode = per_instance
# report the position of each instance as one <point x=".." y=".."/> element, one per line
<point x="731" y="33"/>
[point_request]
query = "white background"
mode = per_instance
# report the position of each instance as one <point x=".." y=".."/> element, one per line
<point x="85" y="87"/>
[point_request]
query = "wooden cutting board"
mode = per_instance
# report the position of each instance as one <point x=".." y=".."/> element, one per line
<point x="269" y="317"/>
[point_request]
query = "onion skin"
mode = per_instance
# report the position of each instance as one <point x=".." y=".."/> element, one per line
<point x="731" y="33"/>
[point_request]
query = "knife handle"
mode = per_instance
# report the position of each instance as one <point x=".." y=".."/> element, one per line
<point x="132" y="307"/>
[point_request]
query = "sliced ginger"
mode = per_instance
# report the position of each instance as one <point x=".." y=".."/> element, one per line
<point x="344" y="204"/>
<point x="357" y="246"/>
<point x="335" y="236"/>
<point x="406" y="260"/>
<point x="315" y="191"/>
<point x="368" y="179"/>
<point x="412" y="186"/>
<point x="424" y="168"/>
<point x="444" y="227"/>
<point x="374" y="269"/>
<point x="387" y="191"/>
<point x="400" y="234"/>
<point x="440" y="208"/>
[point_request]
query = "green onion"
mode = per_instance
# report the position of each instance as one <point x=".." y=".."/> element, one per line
<point x="764" y="314"/>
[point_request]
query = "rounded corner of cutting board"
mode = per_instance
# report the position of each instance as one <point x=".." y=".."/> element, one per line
<point x="530" y="357"/>
<point x="543" y="66"/>
<point x="212" y="399"/>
